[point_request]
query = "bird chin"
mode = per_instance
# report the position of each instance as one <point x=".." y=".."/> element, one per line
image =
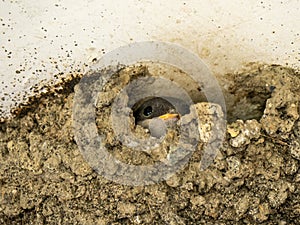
<point x="169" y="122"/>
<point x="144" y="123"/>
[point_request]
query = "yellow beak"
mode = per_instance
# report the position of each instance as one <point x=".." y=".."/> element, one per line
<point x="169" y="116"/>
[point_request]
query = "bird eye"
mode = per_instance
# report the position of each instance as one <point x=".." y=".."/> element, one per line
<point x="147" y="111"/>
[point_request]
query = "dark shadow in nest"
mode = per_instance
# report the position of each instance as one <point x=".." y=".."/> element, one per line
<point x="247" y="92"/>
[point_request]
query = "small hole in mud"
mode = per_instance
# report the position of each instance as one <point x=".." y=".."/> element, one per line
<point x="156" y="114"/>
<point x="247" y="92"/>
<point x="250" y="106"/>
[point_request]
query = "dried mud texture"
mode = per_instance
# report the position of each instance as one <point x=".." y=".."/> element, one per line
<point x="113" y="140"/>
<point x="254" y="179"/>
<point x="135" y="145"/>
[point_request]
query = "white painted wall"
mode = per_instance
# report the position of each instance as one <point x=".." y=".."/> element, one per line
<point x="46" y="37"/>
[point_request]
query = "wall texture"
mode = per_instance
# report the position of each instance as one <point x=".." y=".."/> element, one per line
<point x="43" y="40"/>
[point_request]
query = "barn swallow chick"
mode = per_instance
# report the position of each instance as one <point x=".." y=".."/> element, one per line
<point x="155" y="114"/>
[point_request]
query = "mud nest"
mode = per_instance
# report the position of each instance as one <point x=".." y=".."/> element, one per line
<point x="255" y="177"/>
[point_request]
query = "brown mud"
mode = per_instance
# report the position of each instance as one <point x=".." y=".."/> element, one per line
<point x="254" y="179"/>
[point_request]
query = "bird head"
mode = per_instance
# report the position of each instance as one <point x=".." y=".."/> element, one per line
<point x="153" y="107"/>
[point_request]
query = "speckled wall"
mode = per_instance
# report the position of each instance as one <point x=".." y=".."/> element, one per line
<point x="43" y="41"/>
